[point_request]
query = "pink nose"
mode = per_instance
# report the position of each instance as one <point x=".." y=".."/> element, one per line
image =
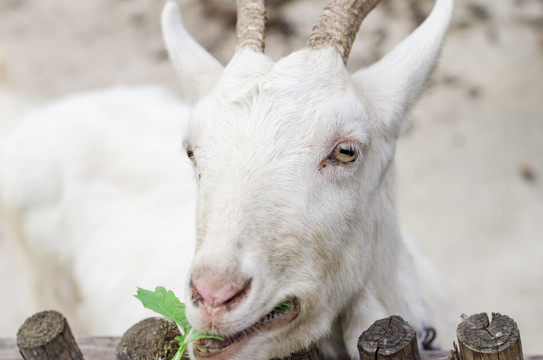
<point x="217" y="291"/>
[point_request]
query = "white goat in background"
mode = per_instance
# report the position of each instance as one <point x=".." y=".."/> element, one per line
<point x="291" y="188"/>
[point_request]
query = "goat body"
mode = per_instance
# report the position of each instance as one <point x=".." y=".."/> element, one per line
<point x="291" y="188"/>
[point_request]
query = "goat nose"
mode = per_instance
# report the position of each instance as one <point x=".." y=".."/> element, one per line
<point x="216" y="291"/>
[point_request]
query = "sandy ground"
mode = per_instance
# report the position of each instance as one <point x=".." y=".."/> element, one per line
<point x="470" y="166"/>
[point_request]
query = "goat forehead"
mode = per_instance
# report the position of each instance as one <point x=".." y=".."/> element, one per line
<point x="266" y="100"/>
<point x="278" y="112"/>
<point x="301" y="74"/>
<point x="272" y="123"/>
<point x="309" y="72"/>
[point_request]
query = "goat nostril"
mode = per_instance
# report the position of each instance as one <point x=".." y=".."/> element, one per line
<point x="195" y="297"/>
<point x="217" y="292"/>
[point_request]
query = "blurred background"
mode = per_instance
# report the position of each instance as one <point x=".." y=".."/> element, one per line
<point x="470" y="166"/>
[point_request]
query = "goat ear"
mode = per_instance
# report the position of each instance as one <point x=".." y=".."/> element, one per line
<point x="394" y="84"/>
<point x="199" y="70"/>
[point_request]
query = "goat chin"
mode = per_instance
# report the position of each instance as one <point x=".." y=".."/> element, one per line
<point x="286" y="197"/>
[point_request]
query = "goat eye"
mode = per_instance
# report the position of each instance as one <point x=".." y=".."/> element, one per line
<point x="345" y="153"/>
<point x="190" y="154"/>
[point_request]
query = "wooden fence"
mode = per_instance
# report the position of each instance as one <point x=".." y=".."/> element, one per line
<point x="47" y="336"/>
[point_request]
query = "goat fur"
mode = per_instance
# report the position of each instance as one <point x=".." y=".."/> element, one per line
<point x="96" y="192"/>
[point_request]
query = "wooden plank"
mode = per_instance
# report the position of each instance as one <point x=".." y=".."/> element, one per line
<point x="97" y="348"/>
<point x="103" y="348"/>
<point x="8" y="350"/>
<point x="435" y="355"/>
<point x="92" y="347"/>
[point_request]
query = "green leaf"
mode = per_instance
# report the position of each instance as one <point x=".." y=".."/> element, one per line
<point x="282" y="308"/>
<point x="166" y="304"/>
<point x="178" y="355"/>
<point x="194" y="335"/>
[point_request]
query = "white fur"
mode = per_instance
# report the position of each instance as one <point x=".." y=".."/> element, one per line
<point x="96" y="187"/>
<point x="103" y="200"/>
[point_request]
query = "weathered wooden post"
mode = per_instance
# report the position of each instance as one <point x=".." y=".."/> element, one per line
<point x="47" y="336"/>
<point x="391" y="338"/>
<point x="152" y="338"/>
<point x="480" y="339"/>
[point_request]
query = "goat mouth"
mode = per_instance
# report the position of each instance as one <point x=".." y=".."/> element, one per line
<point x="224" y="349"/>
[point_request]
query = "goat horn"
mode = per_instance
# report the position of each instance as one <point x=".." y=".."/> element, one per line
<point x="251" y="25"/>
<point x="338" y="24"/>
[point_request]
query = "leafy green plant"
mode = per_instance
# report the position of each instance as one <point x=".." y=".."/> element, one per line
<point x="282" y="308"/>
<point x="165" y="303"/>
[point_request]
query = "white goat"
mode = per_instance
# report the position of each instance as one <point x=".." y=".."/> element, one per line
<point x="294" y="176"/>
